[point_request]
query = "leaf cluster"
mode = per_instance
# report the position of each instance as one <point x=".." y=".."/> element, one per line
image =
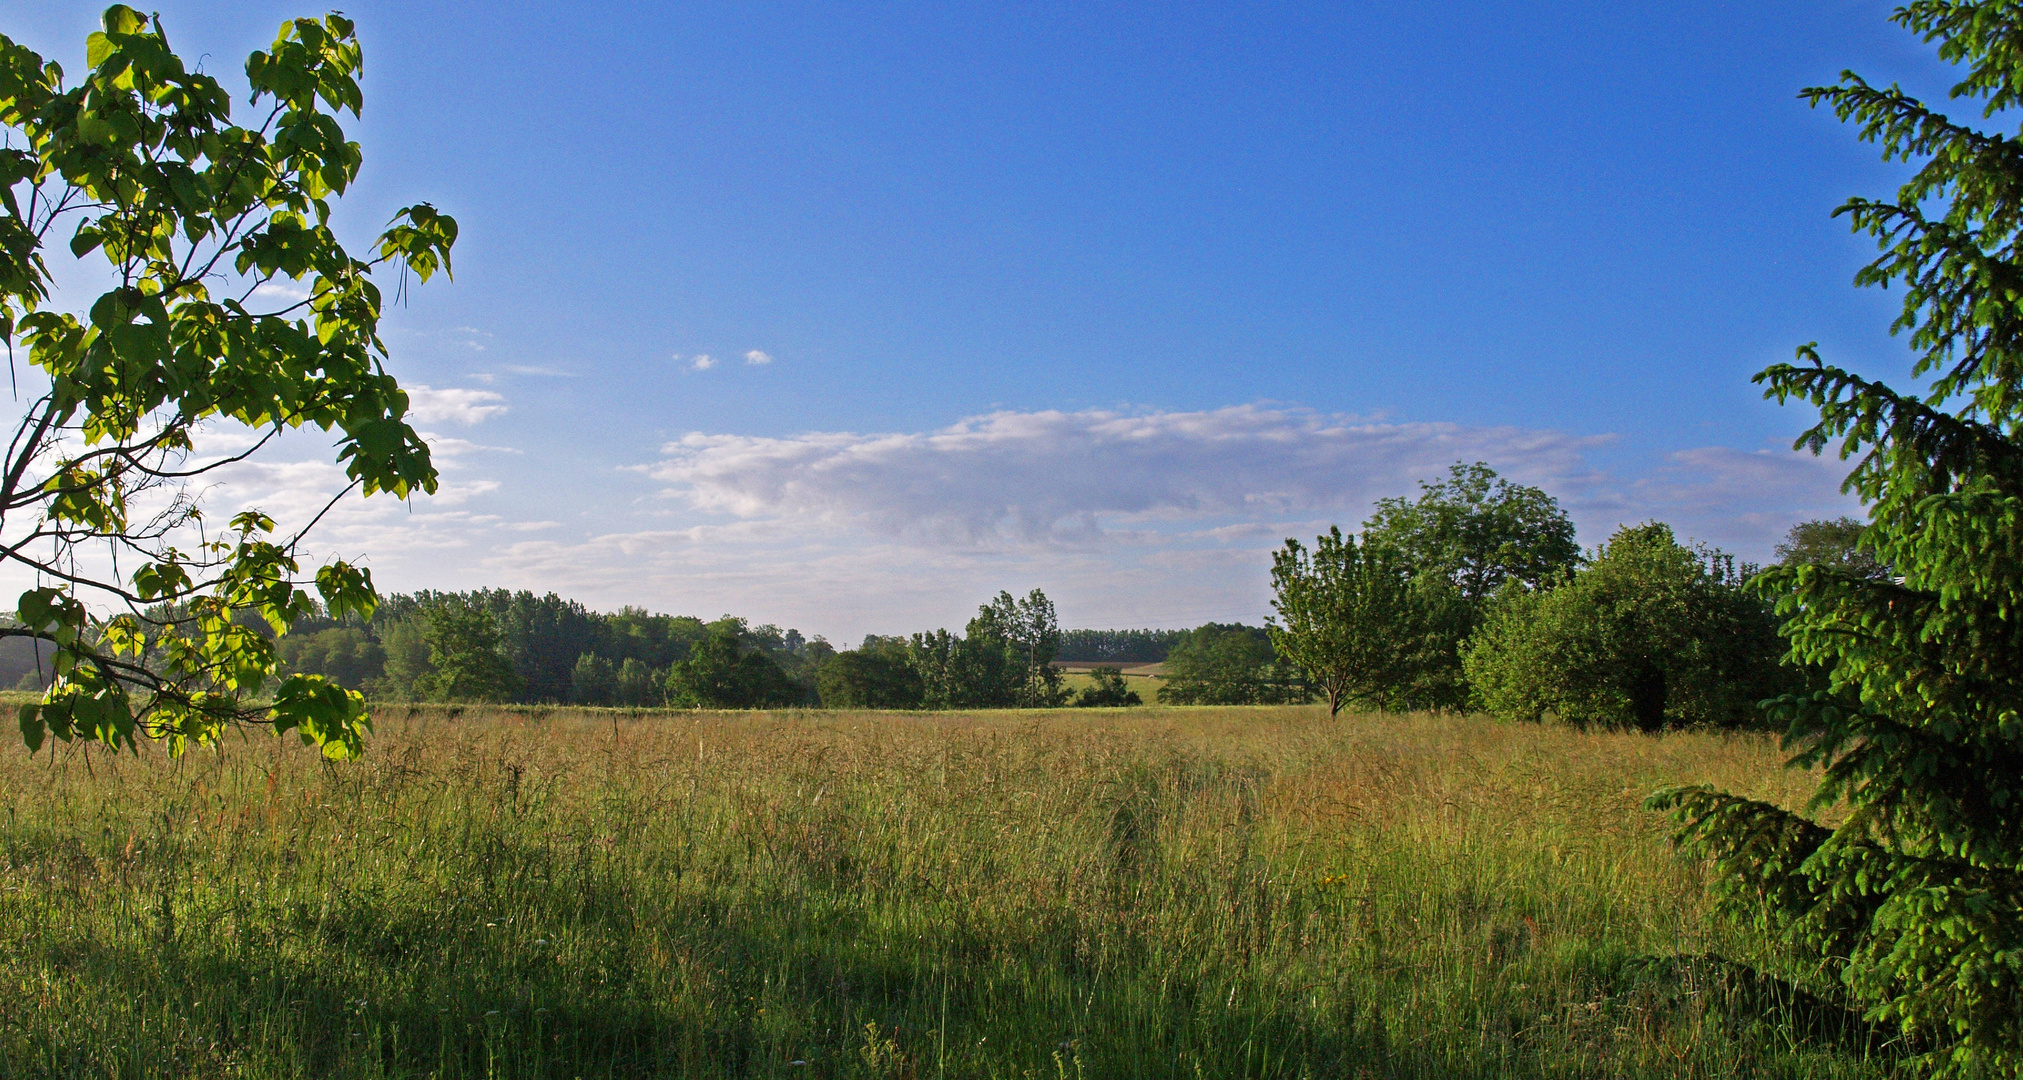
<point x="143" y="164"/>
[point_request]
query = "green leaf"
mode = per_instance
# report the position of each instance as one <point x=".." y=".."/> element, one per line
<point x="32" y="728"/>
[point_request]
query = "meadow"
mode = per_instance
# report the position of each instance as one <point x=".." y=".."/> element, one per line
<point x="1205" y="892"/>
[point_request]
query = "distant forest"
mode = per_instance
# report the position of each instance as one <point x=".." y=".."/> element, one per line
<point x="558" y="650"/>
<point x="1118" y="646"/>
<point x="504" y="645"/>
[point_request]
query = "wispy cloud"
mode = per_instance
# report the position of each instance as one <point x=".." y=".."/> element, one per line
<point x="700" y="362"/>
<point x="1074" y="478"/>
<point x="443" y="447"/>
<point x="758" y="358"/>
<point x="539" y="372"/>
<point x="455" y="404"/>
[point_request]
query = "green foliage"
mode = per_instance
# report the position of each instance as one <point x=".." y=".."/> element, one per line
<point x="636" y="686"/>
<point x="1651" y="634"/>
<point x="593" y="681"/>
<point x="974" y="671"/>
<point x="875" y="675"/>
<point x="1031" y="633"/>
<point x="1904" y="878"/>
<point x="405" y="660"/>
<point x="1107" y="691"/>
<point x="1835" y="544"/>
<point x="346" y="655"/>
<point x="466" y="654"/>
<point x="1478" y="532"/>
<point x="721" y="672"/>
<point x="1464" y="540"/>
<point x="1227" y="664"/>
<point x="1351" y="616"/>
<point x="142" y="163"/>
<point x="1003" y="660"/>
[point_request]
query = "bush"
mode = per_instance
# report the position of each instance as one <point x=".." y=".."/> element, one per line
<point x="1108" y="691"/>
<point x="1652" y="634"/>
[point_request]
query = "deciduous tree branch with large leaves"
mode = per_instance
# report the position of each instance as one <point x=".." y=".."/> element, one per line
<point x="141" y="600"/>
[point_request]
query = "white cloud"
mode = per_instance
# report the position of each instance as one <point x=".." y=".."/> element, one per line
<point x="1740" y="500"/>
<point x="1158" y="518"/>
<point x="700" y="362"/>
<point x="283" y="290"/>
<point x="540" y="372"/>
<point x="453" y="404"/>
<point x="757" y="357"/>
<point x="1076" y="478"/>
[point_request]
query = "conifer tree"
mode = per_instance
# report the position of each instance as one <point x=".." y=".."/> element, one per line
<point x="1903" y="879"/>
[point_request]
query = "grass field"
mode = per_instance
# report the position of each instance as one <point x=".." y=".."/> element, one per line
<point x="1134" y="893"/>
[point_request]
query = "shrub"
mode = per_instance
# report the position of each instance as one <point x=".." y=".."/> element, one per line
<point x="1107" y="691"/>
<point x="1652" y="634"/>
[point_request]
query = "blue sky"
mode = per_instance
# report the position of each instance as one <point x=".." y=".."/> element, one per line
<point x="1106" y="299"/>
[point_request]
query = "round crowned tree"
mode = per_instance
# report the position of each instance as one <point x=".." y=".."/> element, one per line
<point x="1650" y="634"/>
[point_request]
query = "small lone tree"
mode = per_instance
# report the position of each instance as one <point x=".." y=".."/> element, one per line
<point x="1910" y="893"/>
<point x="142" y="163"/>
<point x="1345" y="617"/>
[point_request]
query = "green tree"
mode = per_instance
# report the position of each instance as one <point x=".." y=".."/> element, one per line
<point x="466" y="653"/>
<point x="1463" y="540"/>
<point x="1031" y="632"/>
<point x="1118" y="646"/>
<point x="142" y="163"/>
<point x="593" y="681"/>
<point x="1106" y="690"/>
<point x="721" y="672"/>
<point x="1835" y="543"/>
<point x="1903" y="879"/>
<point x="405" y="663"/>
<point x="1003" y="660"/>
<point x="875" y="675"/>
<point x="637" y="686"/>
<point x="972" y="671"/>
<point x="1349" y="615"/>
<point x="1650" y="634"/>
<point x="1225" y="664"/>
<point x="1478" y="532"/>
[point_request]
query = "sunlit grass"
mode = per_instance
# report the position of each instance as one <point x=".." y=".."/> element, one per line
<point x="1097" y="893"/>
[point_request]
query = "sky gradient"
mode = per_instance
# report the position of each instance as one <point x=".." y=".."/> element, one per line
<point x="845" y="317"/>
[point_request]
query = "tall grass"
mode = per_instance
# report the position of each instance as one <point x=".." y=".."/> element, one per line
<point x="1145" y="893"/>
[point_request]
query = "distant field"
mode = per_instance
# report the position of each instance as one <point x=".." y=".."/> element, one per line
<point x="1144" y="678"/>
<point x="1119" y="893"/>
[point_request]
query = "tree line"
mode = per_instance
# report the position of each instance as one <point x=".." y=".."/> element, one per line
<point x="498" y="645"/>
